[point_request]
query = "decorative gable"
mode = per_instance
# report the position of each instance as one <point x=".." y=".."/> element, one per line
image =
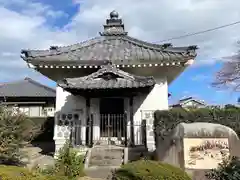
<point x="108" y="77"/>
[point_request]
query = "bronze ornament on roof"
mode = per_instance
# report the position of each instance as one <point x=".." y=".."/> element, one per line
<point x="113" y="26"/>
<point x="114" y="14"/>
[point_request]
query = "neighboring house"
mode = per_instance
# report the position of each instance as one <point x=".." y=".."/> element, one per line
<point x="189" y="102"/>
<point x="109" y="79"/>
<point x="28" y="96"/>
<point x="216" y="106"/>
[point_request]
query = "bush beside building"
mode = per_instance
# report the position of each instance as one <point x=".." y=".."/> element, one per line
<point x="165" y="121"/>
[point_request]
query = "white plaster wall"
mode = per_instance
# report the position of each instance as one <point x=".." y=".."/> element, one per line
<point x="69" y="104"/>
<point x="157" y="99"/>
<point x="192" y="104"/>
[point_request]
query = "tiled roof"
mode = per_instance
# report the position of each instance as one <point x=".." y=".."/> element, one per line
<point x="113" y="45"/>
<point x="184" y="100"/>
<point x="108" y="77"/>
<point x="26" y="88"/>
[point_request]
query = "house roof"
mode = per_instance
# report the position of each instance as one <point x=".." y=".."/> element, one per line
<point x="108" y="77"/>
<point x="185" y="100"/>
<point x="113" y="45"/>
<point x="26" y="88"/>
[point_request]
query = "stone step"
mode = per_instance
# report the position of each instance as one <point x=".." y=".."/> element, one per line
<point x="111" y="150"/>
<point x="106" y="156"/>
<point x="107" y="153"/>
<point x="102" y="158"/>
<point x="107" y="142"/>
<point x="105" y="163"/>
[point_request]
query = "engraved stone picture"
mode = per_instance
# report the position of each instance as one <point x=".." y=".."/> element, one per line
<point x="205" y="153"/>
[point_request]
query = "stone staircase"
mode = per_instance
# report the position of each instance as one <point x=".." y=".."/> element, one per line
<point x="106" y="156"/>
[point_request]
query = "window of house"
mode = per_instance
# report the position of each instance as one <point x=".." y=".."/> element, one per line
<point x="34" y="111"/>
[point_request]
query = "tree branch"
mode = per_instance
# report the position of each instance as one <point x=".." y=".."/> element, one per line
<point x="229" y="75"/>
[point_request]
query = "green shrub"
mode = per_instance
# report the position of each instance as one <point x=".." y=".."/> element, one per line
<point x="228" y="170"/>
<point x="149" y="170"/>
<point x="15" y="130"/>
<point x="165" y="121"/>
<point x="68" y="164"/>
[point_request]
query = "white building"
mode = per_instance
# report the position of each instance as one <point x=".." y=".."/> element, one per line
<point x="107" y="85"/>
<point x="190" y="102"/>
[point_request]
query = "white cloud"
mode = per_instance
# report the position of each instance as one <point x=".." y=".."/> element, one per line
<point x="23" y="25"/>
<point x="158" y="20"/>
<point x="26" y="26"/>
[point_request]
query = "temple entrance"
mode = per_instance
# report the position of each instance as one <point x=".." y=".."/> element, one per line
<point x="112" y="118"/>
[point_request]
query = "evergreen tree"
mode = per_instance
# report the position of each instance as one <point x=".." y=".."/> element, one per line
<point x="15" y="130"/>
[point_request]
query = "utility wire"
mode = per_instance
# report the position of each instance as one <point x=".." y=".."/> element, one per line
<point x="199" y="32"/>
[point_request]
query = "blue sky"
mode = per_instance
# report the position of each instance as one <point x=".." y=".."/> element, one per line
<point x="196" y="81"/>
<point x="41" y="23"/>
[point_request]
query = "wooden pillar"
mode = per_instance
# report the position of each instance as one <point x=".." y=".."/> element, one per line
<point x="126" y="128"/>
<point x="144" y="133"/>
<point x="131" y="121"/>
<point x="87" y="121"/>
<point x="91" y="131"/>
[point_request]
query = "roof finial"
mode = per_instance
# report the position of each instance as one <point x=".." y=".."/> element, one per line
<point x="114" y="14"/>
<point x="114" y="26"/>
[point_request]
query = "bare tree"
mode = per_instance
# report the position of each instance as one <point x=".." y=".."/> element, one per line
<point x="229" y="75"/>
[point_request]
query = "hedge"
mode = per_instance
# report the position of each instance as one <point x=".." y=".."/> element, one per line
<point x="165" y="121"/>
<point x="149" y="170"/>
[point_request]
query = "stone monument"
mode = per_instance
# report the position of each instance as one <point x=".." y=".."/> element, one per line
<point x="198" y="147"/>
